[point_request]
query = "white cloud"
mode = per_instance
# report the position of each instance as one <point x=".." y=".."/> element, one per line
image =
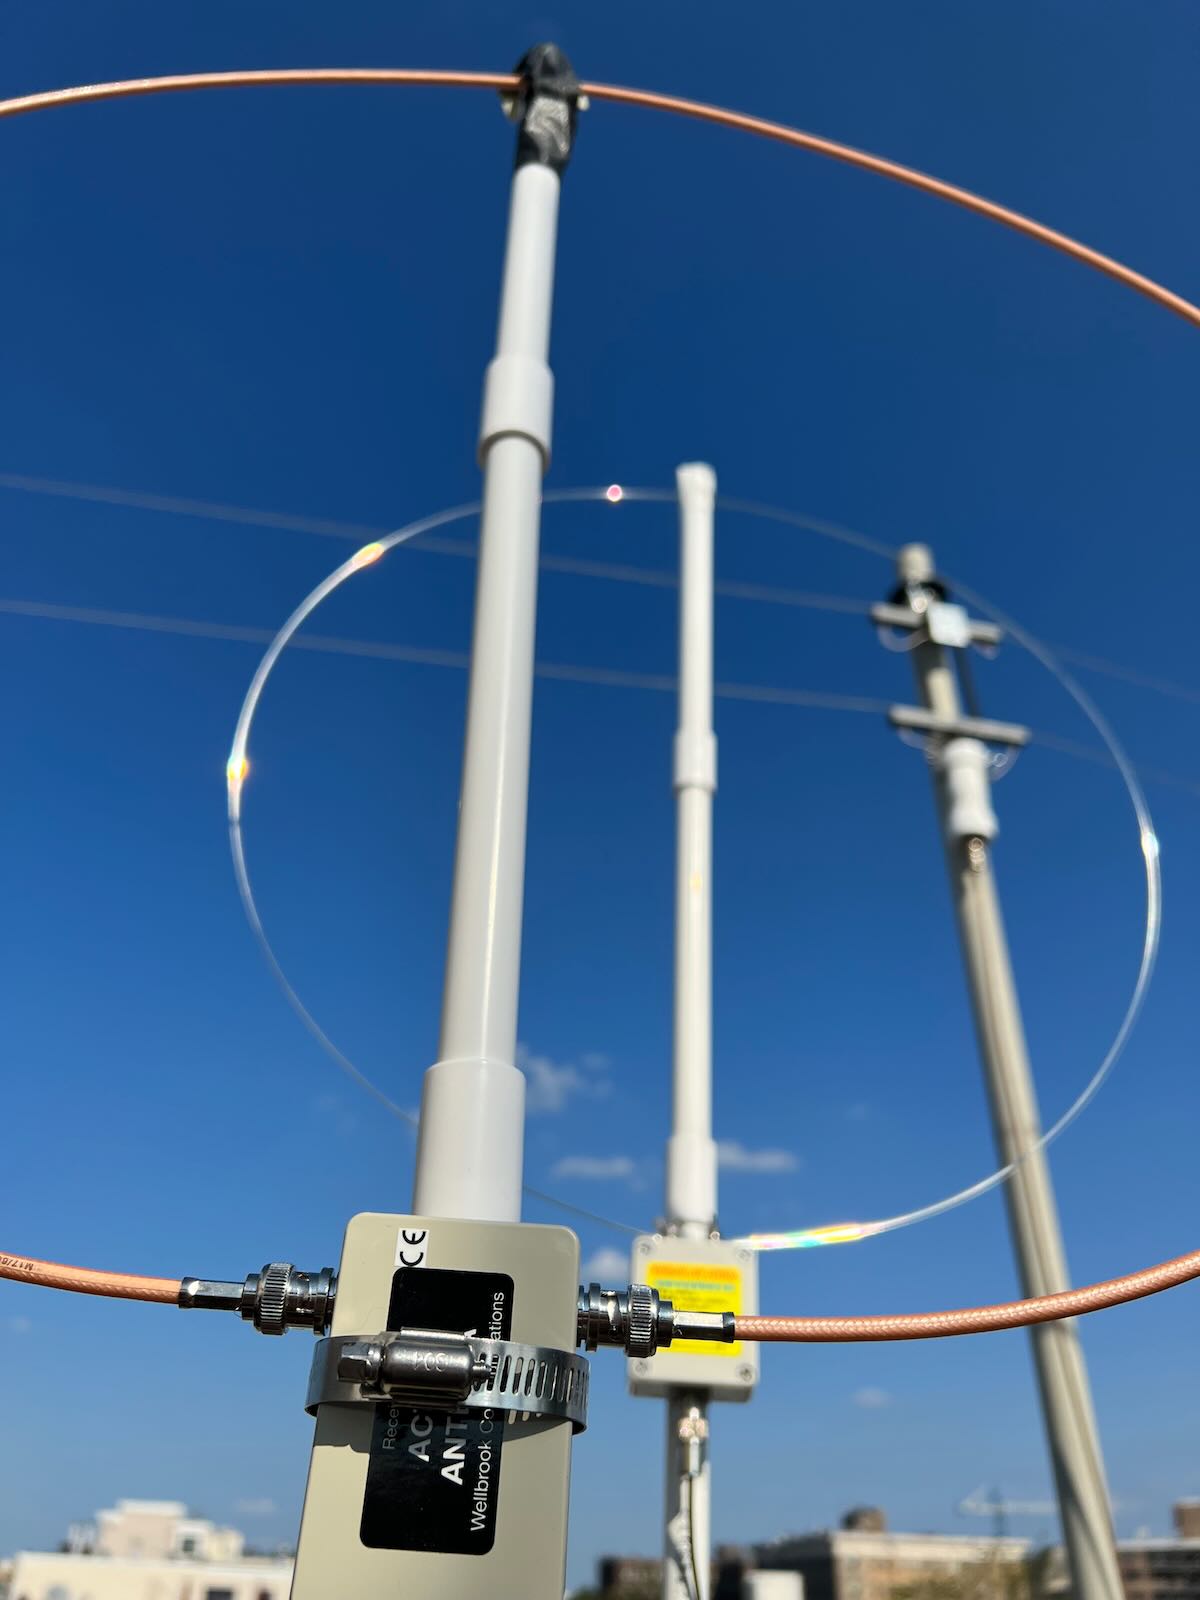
<point x="871" y="1399"/>
<point x="732" y="1156"/>
<point x="606" y="1266"/>
<point x="604" y="1167"/>
<point x="262" y="1507"/>
<point x="19" y="1325"/>
<point x="550" y="1084"/>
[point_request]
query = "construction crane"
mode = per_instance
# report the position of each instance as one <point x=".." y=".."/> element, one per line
<point x="979" y="1504"/>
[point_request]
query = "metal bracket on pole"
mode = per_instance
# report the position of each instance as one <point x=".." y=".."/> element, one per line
<point x="918" y="720"/>
<point x="957" y="745"/>
<point x="945" y="624"/>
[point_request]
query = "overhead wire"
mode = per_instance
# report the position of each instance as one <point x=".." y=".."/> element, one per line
<point x="359" y="533"/>
<point x="560" y="671"/>
<point x="416" y="655"/>
<point x="613" y="572"/>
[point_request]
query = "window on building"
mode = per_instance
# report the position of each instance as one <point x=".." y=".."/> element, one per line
<point x="58" y="1593"/>
<point x="187" y="1546"/>
<point x="218" y="1594"/>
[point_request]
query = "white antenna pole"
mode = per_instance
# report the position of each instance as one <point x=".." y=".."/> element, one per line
<point x="691" y="1152"/>
<point x="470" y="1146"/>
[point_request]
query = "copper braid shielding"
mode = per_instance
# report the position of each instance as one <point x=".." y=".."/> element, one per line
<point x="84" y="1280"/>
<point x="698" y="110"/>
<point x="974" y="1319"/>
<point x="796" y="1330"/>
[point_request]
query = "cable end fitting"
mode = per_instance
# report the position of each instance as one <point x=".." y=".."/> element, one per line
<point x="638" y="1321"/>
<point x="545" y="108"/>
<point x="275" y="1299"/>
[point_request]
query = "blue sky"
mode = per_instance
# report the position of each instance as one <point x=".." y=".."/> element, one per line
<point x="284" y="300"/>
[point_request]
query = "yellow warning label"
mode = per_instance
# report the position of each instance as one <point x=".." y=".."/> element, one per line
<point x="697" y="1286"/>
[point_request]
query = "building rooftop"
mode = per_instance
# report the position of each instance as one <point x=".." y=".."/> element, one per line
<point x="868" y="1542"/>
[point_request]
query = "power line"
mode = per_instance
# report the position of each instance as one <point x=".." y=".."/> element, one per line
<point x="1141" y="680"/>
<point x="1085" y="752"/>
<point x="767" y="594"/>
<point x="214" y="511"/>
<point x="562" y="672"/>
<point x="205" y="510"/>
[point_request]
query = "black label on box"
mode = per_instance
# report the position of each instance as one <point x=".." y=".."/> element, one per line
<point x="433" y="1481"/>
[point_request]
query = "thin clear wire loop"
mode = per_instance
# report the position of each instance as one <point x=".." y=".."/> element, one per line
<point x="238" y="767"/>
<point x="837" y="1233"/>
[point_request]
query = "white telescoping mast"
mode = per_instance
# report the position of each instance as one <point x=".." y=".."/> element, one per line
<point x="471" y="1141"/>
<point x="691" y="1150"/>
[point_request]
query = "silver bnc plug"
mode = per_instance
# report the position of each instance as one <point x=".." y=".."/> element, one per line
<point x="275" y="1299"/>
<point x="638" y="1321"/>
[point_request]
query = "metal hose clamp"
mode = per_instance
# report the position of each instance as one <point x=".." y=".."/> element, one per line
<point x="449" y="1372"/>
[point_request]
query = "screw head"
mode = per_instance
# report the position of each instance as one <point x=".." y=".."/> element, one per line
<point x="746" y="1374"/>
<point x="358" y="1363"/>
<point x="644" y="1247"/>
<point x="641" y="1367"/>
<point x="743" y="1256"/>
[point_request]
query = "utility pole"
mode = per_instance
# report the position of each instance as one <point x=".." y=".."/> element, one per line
<point x="691" y="1150"/>
<point x="959" y="763"/>
<point x="472" y="1129"/>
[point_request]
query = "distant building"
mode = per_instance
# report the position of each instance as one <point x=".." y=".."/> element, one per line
<point x="865" y="1519"/>
<point x="1164" y="1569"/>
<point x="761" y="1585"/>
<point x="632" y="1577"/>
<point x="622" y="1575"/>
<point x="150" y="1550"/>
<point x="862" y="1561"/>
<point x="154" y="1529"/>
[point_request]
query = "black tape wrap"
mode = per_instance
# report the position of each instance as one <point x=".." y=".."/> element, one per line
<point x="546" y="108"/>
